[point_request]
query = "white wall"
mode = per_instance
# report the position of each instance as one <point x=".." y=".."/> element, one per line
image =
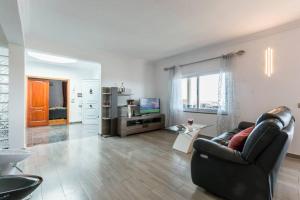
<point x="74" y="74"/>
<point x="136" y="74"/>
<point x="16" y="115"/>
<point x="3" y="41"/>
<point x="256" y="93"/>
<point x="13" y="38"/>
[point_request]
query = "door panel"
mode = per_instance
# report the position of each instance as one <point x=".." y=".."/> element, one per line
<point x="37" y="102"/>
<point x="91" y="101"/>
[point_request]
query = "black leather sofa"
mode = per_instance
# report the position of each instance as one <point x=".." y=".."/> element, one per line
<point x="250" y="174"/>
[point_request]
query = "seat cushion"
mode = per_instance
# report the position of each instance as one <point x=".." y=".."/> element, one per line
<point x="237" y="142"/>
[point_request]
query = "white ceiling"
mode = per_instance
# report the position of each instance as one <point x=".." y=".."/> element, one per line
<point x="150" y="29"/>
<point x="79" y="64"/>
<point x="10" y="21"/>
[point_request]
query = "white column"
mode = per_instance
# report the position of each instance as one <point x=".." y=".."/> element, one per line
<point x="16" y="107"/>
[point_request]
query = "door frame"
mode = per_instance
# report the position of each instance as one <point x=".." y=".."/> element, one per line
<point x="49" y="78"/>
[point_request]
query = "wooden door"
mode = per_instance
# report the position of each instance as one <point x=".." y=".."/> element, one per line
<point x="37" y="102"/>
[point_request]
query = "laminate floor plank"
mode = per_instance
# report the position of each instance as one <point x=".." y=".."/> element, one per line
<point x="79" y="166"/>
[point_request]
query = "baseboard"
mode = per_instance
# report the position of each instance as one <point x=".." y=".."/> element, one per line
<point x="54" y="122"/>
<point x="76" y="122"/>
<point x="291" y="155"/>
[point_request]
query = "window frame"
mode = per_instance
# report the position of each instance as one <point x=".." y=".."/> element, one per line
<point x="200" y="110"/>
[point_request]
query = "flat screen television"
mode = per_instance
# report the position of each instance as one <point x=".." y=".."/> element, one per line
<point x="149" y="105"/>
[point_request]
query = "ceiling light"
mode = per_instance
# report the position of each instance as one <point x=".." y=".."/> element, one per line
<point x="51" y="58"/>
<point x="269" y="62"/>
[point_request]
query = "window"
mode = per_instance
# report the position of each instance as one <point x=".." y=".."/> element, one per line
<point x="192" y="96"/>
<point x="201" y="93"/>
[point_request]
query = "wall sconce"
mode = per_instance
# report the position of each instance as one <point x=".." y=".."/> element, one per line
<point x="269" y="62"/>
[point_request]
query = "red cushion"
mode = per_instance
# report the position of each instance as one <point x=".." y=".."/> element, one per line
<point x="238" y="140"/>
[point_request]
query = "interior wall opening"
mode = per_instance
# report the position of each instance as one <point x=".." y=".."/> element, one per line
<point x="62" y="98"/>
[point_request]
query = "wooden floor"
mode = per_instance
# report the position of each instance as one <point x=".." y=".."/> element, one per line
<point x="133" y="168"/>
<point x="56" y="133"/>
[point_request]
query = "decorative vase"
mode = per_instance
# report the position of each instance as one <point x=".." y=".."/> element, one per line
<point x="122" y="89"/>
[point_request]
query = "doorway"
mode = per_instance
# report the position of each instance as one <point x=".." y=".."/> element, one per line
<point x="70" y="105"/>
<point x="47" y="101"/>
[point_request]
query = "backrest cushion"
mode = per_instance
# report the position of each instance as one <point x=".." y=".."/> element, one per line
<point x="268" y="126"/>
<point x="259" y="139"/>
<point x="275" y="153"/>
<point x="238" y="140"/>
<point x="282" y="114"/>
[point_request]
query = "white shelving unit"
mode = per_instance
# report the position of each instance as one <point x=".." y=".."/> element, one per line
<point x="4" y="97"/>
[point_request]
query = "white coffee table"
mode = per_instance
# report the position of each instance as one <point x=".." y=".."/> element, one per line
<point x="185" y="139"/>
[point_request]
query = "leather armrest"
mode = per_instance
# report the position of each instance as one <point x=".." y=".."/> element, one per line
<point x="224" y="138"/>
<point x="208" y="148"/>
<point x="243" y="125"/>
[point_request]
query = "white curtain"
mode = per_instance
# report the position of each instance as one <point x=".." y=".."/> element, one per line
<point x="227" y="118"/>
<point x="175" y="97"/>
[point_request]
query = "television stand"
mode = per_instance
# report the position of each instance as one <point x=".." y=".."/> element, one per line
<point x="140" y="124"/>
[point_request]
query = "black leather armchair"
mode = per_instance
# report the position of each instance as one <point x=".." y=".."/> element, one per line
<point x="250" y="174"/>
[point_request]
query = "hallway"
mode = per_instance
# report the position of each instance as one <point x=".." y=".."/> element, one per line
<point x="53" y="134"/>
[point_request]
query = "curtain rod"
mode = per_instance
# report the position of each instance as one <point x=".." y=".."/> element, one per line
<point x="228" y="55"/>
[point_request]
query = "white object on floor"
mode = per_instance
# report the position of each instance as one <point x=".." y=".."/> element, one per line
<point x="185" y="139"/>
<point x="10" y="157"/>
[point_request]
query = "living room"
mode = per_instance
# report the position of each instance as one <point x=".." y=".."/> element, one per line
<point x="188" y="106"/>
